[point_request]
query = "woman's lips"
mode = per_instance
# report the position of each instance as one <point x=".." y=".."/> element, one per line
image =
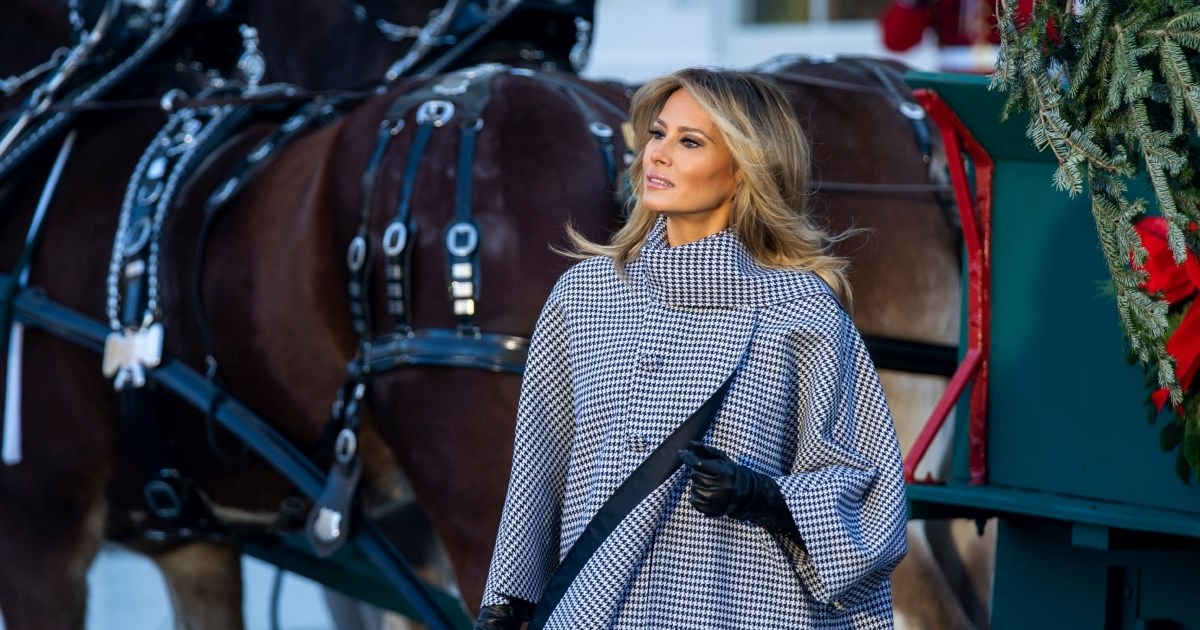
<point x="654" y="180"/>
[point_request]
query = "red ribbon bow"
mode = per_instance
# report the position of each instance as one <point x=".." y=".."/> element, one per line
<point x="1177" y="283"/>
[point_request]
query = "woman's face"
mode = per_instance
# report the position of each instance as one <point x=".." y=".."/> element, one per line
<point x="689" y="172"/>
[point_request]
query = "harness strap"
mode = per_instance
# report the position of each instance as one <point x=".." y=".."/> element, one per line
<point x="462" y="237"/>
<point x="917" y="357"/>
<point x="911" y="111"/>
<point x="135" y="342"/>
<point x="37" y="124"/>
<point x="601" y="132"/>
<point x="172" y="157"/>
<point x="460" y="44"/>
<point x="447" y="348"/>
<point x="20" y="272"/>
<point x="258" y="157"/>
<point x="397" y="240"/>
<point x="12" y="333"/>
<point x="399" y="251"/>
<point x="34" y="309"/>
<point x="329" y="520"/>
<point x="358" y="255"/>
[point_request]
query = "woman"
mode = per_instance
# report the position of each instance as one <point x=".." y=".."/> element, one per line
<point x="789" y="513"/>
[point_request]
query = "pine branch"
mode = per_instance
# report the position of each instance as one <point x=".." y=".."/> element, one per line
<point x="1130" y="105"/>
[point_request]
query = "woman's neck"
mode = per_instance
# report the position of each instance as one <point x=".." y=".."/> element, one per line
<point x="682" y="230"/>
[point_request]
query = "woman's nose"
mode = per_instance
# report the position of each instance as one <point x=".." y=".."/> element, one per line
<point x="658" y="154"/>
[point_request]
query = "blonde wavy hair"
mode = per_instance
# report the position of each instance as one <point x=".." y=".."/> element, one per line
<point x="769" y="213"/>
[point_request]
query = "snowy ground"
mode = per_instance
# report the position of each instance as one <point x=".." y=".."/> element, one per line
<point x="127" y="593"/>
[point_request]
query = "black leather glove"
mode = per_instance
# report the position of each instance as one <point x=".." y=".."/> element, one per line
<point x="508" y="616"/>
<point x="721" y="487"/>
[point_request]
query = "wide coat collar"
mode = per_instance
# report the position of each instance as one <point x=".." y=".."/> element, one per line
<point x="714" y="272"/>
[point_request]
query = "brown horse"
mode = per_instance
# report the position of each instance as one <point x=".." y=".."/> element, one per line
<point x="873" y="177"/>
<point x="77" y="475"/>
<point x="882" y="176"/>
<point x="275" y="304"/>
<point x="78" y="482"/>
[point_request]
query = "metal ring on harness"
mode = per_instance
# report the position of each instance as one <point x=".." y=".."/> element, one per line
<point x="224" y="192"/>
<point x="395" y="237"/>
<point x="436" y="112"/>
<point x="292" y="123"/>
<point x="146" y="197"/>
<point x="357" y="254"/>
<point x="137" y="236"/>
<point x="163" y="498"/>
<point x="464" y="232"/>
<point x="170" y="100"/>
<point x="346" y="446"/>
<point x="600" y="130"/>
<point x="261" y="152"/>
<point x="912" y="110"/>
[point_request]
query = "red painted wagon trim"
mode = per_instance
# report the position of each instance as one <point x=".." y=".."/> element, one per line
<point x="976" y="215"/>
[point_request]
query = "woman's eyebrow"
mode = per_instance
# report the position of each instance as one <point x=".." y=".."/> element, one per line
<point x="684" y="128"/>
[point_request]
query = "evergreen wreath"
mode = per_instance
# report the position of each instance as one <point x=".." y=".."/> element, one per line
<point x="1111" y="88"/>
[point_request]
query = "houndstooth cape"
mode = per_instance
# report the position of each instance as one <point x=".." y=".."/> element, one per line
<point x="617" y="364"/>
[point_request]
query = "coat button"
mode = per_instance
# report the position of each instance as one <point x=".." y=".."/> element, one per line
<point x="649" y="363"/>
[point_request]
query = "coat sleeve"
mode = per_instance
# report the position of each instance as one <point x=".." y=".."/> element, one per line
<point x="846" y="486"/>
<point x="527" y="545"/>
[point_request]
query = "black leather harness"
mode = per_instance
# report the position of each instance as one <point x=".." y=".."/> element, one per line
<point x="461" y="96"/>
<point x="134" y="332"/>
<point x="31" y="307"/>
<point x="128" y="31"/>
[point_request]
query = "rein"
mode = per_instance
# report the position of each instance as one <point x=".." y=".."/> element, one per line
<point x="131" y="342"/>
<point x="174" y="100"/>
<point x="12" y="84"/>
<point x="32" y="308"/>
<point x="865" y="187"/>
<point x="33" y="126"/>
<point x="804" y="79"/>
<point x="886" y="89"/>
<point x="389" y="30"/>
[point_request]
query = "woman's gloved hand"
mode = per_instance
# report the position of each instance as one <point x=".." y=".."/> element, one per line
<point x="508" y="616"/>
<point x="721" y="487"/>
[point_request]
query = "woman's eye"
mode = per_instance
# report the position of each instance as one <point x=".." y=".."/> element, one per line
<point x="689" y="143"/>
<point x="656" y="134"/>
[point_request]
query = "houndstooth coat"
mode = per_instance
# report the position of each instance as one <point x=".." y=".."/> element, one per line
<point x="617" y="364"/>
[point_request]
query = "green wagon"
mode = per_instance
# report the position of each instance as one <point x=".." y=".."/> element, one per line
<point x="1095" y="530"/>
